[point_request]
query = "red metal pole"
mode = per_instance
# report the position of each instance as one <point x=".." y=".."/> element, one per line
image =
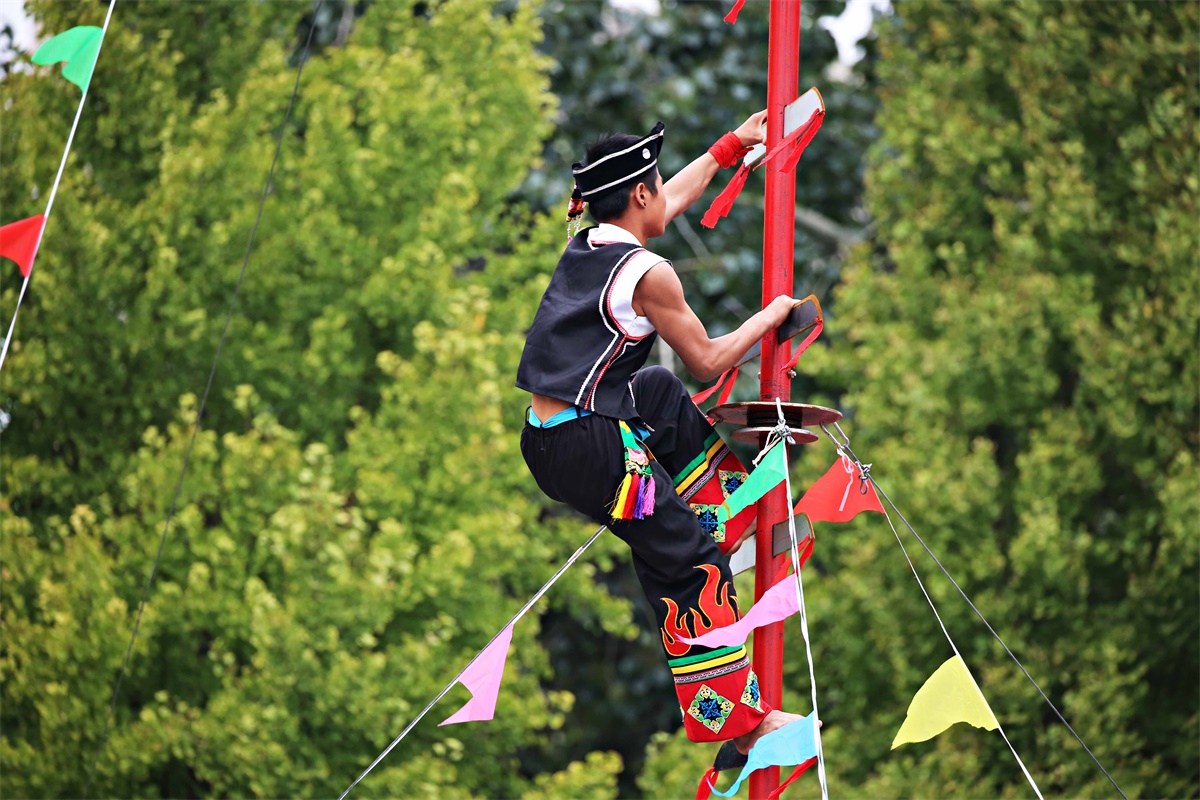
<point x="783" y="77"/>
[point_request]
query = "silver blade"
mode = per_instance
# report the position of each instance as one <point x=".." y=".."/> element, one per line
<point x="743" y="559"/>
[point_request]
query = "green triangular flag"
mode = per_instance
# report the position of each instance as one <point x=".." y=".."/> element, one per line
<point x="770" y="473"/>
<point x="79" y="47"/>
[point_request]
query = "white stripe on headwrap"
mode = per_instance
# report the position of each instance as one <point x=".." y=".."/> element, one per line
<point x="641" y="143"/>
<point x="619" y="181"/>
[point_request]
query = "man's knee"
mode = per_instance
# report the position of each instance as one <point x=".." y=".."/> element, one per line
<point x="658" y="380"/>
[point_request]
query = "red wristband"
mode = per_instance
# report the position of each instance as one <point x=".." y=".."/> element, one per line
<point x="728" y="150"/>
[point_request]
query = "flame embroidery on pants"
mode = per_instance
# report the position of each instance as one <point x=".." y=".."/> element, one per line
<point x="715" y="610"/>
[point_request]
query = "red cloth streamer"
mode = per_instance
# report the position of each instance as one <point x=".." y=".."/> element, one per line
<point x="812" y="337"/>
<point x="838" y="495"/>
<point x="704" y="790"/>
<point x="727" y="150"/>
<point x="796" y="773"/>
<point x="722" y="383"/>
<point x="19" y="241"/>
<point x="724" y="201"/>
<point x="794" y="143"/>
<point x="731" y="17"/>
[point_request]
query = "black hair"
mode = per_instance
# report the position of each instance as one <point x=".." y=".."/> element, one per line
<point x="612" y="204"/>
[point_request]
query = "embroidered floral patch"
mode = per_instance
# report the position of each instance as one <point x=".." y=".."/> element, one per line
<point x="710" y="709"/>
<point x="707" y="514"/>
<point x="751" y="696"/>
<point x="730" y="480"/>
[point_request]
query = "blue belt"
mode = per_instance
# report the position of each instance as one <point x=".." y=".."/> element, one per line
<point x="575" y="412"/>
<point x="566" y="415"/>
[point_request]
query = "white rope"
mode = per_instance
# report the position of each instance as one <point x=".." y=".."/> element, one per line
<point x="864" y="468"/>
<point x="795" y="551"/>
<point x="54" y="189"/>
<point x="782" y="435"/>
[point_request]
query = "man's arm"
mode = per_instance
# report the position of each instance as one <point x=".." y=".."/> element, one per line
<point x="689" y="183"/>
<point x="659" y="296"/>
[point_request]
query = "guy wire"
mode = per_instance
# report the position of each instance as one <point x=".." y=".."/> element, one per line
<point x="846" y="447"/>
<point x="203" y="401"/>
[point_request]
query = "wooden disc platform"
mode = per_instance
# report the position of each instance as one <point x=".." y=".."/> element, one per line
<point x="764" y="414"/>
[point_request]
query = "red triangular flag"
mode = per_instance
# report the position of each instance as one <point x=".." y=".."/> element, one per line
<point x="838" y="495"/>
<point x="19" y="241"/>
<point x="731" y="17"/>
<point x="724" y="201"/>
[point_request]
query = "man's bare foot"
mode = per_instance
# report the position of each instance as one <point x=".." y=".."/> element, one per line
<point x="771" y="722"/>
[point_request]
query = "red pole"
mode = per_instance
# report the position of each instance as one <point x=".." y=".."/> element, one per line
<point x="783" y="77"/>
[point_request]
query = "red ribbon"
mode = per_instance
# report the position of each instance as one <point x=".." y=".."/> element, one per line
<point x="727" y="150"/>
<point x="794" y="143"/>
<point x="724" y="201"/>
<point x="704" y="790"/>
<point x="731" y="17"/>
<point x="812" y="337"/>
<point x="726" y="387"/>
<point x="796" y="773"/>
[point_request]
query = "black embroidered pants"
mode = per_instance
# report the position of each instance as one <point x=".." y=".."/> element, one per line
<point x="677" y="552"/>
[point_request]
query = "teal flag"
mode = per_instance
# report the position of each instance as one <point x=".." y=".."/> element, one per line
<point x="79" y="47"/>
<point x="770" y="473"/>
<point x="794" y="743"/>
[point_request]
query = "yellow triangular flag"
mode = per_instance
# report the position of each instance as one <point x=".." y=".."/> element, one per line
<point x="949" y="696"/>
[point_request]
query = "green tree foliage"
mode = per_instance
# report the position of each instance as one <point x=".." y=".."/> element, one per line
<point x="1017" y="351"/>
<point x="397" y="165"/>
<point x="356" y="520"/>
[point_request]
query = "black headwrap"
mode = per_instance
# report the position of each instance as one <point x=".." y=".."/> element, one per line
<point x="612" y="170"/>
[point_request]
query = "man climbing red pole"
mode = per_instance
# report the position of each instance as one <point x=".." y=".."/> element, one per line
<point x="783" y="68"/>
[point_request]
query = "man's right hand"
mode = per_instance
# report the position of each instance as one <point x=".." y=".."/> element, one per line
<point x="779" y="309"/>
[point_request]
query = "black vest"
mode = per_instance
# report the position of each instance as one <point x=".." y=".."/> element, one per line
<point x="576" y="350"/>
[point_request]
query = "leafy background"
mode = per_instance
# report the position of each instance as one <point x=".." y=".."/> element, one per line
<point x="999" y="216"/>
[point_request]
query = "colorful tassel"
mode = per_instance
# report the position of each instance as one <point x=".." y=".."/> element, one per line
<point x="645" y="503"/>
<point x="724" y="201"/>
<point x="731" y="17"/>
<point x="635" y="496"/>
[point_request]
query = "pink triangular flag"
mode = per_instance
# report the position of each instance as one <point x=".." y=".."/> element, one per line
<point x="779" y="602"/>
<point x="482" y="677"/>
<point x="19" y="241"/>
<point x="837" y="495"/>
